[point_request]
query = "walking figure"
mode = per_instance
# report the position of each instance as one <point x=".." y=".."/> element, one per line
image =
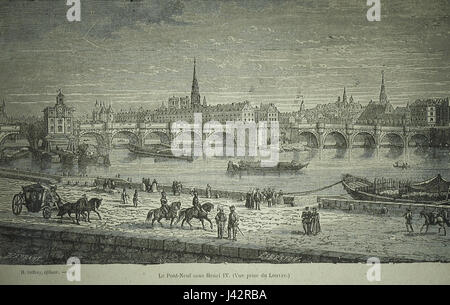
<point x="208" y="191"/>
<point x="233" y="223"/>
<point x="257" y="199"/>
<point x="306" y="221"/>
<point x="408" y="220"/>
<point x="135" y="198"/>
<point x="124" y="197"/>
<point x="221" y="220"/>
<point x="315" y="222"/>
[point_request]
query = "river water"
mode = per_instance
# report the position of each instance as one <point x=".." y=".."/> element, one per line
<point x="320" y="172"/>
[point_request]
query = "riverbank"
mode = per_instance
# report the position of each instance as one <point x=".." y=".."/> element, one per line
<point x="277" y="228"/>
<point x="120" y="184"/>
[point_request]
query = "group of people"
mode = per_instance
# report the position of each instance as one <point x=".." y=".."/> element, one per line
<point x="109" y="184"/>
<point x="233" y="223"/>
<point x="125" y="197"/>
<point x="311" y="221"/>
<point x="149" y="187"/>
<point x="176" y="187"/>
<point x="254" y="198"/>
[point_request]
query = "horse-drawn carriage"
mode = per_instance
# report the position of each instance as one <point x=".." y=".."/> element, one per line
<point x="36" y="198"/>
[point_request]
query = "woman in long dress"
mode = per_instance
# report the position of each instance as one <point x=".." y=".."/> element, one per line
<point x="280" y="198"/>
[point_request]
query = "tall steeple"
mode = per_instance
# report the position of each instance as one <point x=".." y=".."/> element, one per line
<point x="344" y="98"/>
<point x="195" y="92"/>
<point x="383" y="96"/>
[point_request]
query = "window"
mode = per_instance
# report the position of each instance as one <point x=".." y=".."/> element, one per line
<point x="60" y="129"/>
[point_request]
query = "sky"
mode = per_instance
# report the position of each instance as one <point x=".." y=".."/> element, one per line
<point x="139" y="53"/>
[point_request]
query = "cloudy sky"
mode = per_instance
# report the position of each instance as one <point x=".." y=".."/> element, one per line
<point x="133" y="53"/>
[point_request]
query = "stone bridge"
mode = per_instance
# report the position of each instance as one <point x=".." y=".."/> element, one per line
<point x="6" y="131"/>
<point x="135" y="132"/>
<point x="318" y="136"/>
<point x="325" y="136"/>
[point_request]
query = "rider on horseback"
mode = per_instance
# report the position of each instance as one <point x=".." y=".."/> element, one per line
<point x="196" y="203"/>
<point x="164" y="206"/>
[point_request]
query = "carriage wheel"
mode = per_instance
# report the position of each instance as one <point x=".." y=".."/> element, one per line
<point x="46" y="212"/>
<point x="17" y="202"/>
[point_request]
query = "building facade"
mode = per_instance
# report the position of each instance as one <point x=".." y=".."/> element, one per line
<point x="430" y="112"/>
<point x="59" y="125"/>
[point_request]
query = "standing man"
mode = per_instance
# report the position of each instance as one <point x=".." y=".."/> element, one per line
<point x="135" y="198"/>
<point x="233" y="222"/>
<point x="124" y="196"/>
<point x="408" y="220"/>
<point x="221" y="219"/>
<point x="306" y="221"/>
<point x="257" y="199"/>
<point x="248" y="200"/>
<point x="208" y="191"/>
<point x="315" y="221"/>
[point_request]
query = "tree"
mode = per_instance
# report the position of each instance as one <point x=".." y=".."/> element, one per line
<point x="34" y="132"/>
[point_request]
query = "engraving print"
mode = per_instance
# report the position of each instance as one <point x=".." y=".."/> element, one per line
<point x="213" y="131"/>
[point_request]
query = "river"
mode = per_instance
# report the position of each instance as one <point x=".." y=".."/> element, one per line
<point x="318" y="174"/>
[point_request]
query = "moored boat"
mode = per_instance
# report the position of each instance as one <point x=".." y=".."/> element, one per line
<point x="434" y="190"/>
<point x="255" y="168"/>
<point x="162" y="153"/>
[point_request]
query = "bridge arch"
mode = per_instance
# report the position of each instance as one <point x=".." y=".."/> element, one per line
<point x="337" y="137"/>
<point x="418" y="140"/>
<point x="5" y="136"/>
<point x="364" y="137"/>
<point x="366" y="141"/>
<point x="98" y="137"/>
<point x="395" y="144"/>
<point x="394" y="138"/>
<point x="131" y="136"/>
<point x="152" y="137"/>
<point x="311" y="139"/>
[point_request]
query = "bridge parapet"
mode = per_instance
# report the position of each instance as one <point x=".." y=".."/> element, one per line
<point x="91" y="126"/>
<point x="10" y="128"/>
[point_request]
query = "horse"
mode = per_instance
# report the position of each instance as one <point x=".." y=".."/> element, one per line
<point x="189" y="213"/>
<point x="431" y="220"/>
<point x="92" y="206"/>
<point x="66" y="208"/>
<point x="159" y="214"/>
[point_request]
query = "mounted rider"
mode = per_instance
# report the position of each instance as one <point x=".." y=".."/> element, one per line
<point x="196" y="203"/>
<point x="164" y="205"/>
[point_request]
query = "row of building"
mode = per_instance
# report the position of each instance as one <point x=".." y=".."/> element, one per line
<point x="422" y="112"/>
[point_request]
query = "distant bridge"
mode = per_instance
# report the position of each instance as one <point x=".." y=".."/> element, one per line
<point x="347" y="136"/>
<point x="104" y="133"/>
<point x="8" y="131"/>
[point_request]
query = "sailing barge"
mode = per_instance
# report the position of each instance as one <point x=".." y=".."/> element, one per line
<point x="434" y="190"/>
<point x="255" y="168"/>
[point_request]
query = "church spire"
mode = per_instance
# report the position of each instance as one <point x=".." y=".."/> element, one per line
<point x="195" y="92"/>
<point x="383" y="95"/>
<point x="344" y="97"/>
